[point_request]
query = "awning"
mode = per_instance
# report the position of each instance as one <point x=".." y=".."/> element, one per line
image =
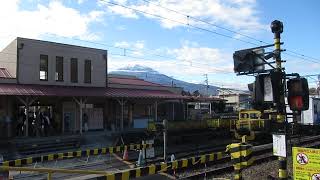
<point x="66" y="91"/>
<point x="4" y="73"/>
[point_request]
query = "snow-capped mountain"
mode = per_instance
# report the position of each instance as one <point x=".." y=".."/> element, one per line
<point x="151" y="75"/>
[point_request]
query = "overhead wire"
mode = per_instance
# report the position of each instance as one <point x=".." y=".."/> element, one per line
<point x="214" y="71"/>
<point x="227" y="29"/>
<point x="205" y="22"/>
<point x="150" y="52"/>
<point x="295" y="54"/>
<point x="179" y="22"/>
<point x="167" y="58"/>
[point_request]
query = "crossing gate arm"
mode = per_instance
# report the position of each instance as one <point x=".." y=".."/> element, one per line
<point x="164" y="167"/>
<point x="74" y="154"/>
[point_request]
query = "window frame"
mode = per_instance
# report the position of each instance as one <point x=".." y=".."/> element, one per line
<point x="89" y="75"/>
<point x="76" y="78"/>
<point x="56" y="71"/>
<point x="46" y="75"/>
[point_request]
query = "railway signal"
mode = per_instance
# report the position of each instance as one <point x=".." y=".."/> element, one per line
<point x="298" y="94"/>
<point x="248" y="60"/>
<point x="269" y="87"/>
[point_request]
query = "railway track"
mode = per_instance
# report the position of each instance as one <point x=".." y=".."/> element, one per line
<point x="262" y="153"/>
<point x="219" y="167"/>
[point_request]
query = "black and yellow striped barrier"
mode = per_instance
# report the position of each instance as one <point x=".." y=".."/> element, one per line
<point x="283" y="175"/>
<point x="164" y="167"/>
<point x="75" y="154"/>
<point x="241" y="157"/>
<point x="130" y="173"/>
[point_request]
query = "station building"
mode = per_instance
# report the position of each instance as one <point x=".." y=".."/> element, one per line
<point x="69" y="85"/>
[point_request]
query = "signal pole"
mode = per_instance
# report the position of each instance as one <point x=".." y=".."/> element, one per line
<point x="277" y="29"/>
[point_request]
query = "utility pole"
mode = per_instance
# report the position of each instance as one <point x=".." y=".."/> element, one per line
<point x="207" y="84"/>
<point x="277" y="29"/>
<point x="318" y="86"/>
<point x="165" y="124"/>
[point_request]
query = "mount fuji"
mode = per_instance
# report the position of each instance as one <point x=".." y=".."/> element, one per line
<point x="149" y="74"/>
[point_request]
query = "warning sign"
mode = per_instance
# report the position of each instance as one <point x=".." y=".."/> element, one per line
<point x="306" y="163"/>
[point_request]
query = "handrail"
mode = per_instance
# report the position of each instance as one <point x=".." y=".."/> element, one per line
<point x="52" y="170"/>
<point x="74" y="154"/>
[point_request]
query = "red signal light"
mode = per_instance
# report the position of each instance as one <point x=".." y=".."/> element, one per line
<point x="296" y="103"/>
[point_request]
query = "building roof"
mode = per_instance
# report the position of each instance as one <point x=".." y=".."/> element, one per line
<point x="206" y="99"/>
<point x="59" y="43"/>
<point x="45" y="90"/>
<point x="124" y="80"/>
<point x="4" y="73"/>
<point x="226" y="92"/>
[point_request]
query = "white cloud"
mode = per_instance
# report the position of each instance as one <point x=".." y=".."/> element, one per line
<point x="138" y="45"/>
<point x="232" y="84"/>
<point x="135" y="48"/>
<point x="237" y="14"/>
<point x="80" y="1"/>
<point x="128" y="13"/>
<point x="121" y="28"/>
<point x="211" y="60"/>
<point x="122" y="44"/>
<point x="181" y="62"/>
<point x="54" y="18"/>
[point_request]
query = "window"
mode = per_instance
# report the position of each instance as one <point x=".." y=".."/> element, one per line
<point x="87" y="71"/>
<point x="44" y="67"/>
<point x="59" y="68"/>
<point x="74" y="70"/>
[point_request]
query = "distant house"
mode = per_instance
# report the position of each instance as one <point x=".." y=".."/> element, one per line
<point x="235" y="99"/>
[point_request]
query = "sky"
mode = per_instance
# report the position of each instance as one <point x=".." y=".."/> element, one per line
<point x="167" y="35"/>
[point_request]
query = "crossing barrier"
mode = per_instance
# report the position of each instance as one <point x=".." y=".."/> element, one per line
<point x="74" y="154"/>
<point x="130" y="173"/>
<point x="164" y="167"/>
<point x="283" y="174"/>
<point x="241" y="157"/>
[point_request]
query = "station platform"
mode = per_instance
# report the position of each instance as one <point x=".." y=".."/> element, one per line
<point x="20" y="147"/>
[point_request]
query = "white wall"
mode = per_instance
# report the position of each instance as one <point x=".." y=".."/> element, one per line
<point x="8" y="58"/>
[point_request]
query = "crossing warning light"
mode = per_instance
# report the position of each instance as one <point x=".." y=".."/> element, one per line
<point x="248" y="60"/>
<point x="298" y="94"/>
<point x="266" y="89"/>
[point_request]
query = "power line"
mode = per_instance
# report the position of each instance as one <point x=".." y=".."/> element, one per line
<point x="146" y="51"/>
<point x="140" y="51"/>
<point x="206" y="22"/>
<point x="210" y="31"/>
<point x="227" y="29"/>
<point x="179" y="22"/>
<point x="212" y="70"/>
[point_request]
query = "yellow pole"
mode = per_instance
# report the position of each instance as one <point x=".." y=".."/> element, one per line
<point x="283" y="175"/>
<point x="277" y="29"/>
<point x="49" y="176"/>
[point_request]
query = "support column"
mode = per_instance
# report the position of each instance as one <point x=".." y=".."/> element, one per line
<point x="172" y="111"/>
<point x="156" y="111"/>
<point x="80" y="103"/>
<point x="184" y="110"/>
<point x="26" y="102"/>
<point x="187" y="109"/>
<point x="130" y="114"/>
<point x="122" y="103"/>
